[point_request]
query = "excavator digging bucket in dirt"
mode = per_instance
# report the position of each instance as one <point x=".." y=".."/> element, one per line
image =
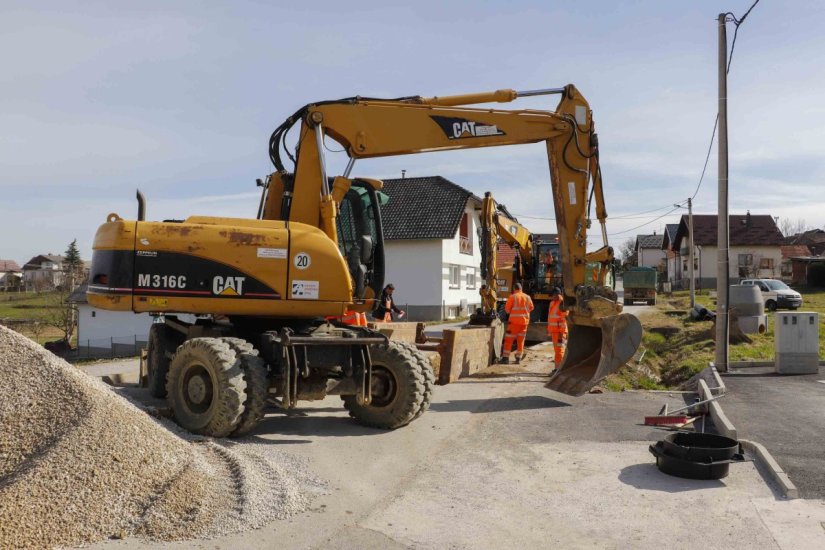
<point x="594" y="352"/>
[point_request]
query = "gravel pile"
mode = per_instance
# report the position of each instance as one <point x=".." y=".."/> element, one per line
<point x="79" y="463"/>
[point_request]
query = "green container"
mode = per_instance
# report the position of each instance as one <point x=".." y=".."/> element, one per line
<point x="640" y="277"/>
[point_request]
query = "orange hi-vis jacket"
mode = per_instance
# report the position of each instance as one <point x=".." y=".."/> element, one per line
<point x="518" y="306"/>
<point x="556" y="318"/>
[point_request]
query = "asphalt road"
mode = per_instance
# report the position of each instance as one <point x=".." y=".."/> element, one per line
<point x="786" y="413"/>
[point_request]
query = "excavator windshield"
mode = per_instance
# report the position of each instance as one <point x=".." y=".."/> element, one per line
<point x="360" y="237"/>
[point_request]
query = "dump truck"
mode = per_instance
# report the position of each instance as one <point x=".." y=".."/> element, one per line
<point x="640" y="285"/>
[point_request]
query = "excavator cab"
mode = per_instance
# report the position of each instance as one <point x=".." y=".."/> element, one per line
<point x="360" y="238"/>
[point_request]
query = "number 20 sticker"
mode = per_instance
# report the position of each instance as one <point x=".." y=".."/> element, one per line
<point x="302" y="260"/>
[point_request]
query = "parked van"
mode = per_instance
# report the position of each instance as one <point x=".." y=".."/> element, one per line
<point x="776" y="293"/>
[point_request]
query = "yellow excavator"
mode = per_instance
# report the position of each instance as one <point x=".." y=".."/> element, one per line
<point x="263" y="287"/>
<point x="537" y="266"/>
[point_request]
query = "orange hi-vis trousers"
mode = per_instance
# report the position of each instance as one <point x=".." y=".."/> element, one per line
<point x="517" y="332"/>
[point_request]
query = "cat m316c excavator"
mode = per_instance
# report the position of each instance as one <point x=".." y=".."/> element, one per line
<point x="266" y="285"/>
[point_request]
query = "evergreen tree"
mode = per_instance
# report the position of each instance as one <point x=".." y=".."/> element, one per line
<point x="73" y="265"/>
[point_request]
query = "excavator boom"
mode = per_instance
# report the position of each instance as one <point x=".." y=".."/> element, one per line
<point x="601" y="338"/>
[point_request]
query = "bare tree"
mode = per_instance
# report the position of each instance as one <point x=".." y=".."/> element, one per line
<point x="790" y="227"/>
<point x="627" y="249"/>
<point x="61" y="313"/>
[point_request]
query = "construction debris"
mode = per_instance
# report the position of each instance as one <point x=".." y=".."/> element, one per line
<point x="79" y="463"/>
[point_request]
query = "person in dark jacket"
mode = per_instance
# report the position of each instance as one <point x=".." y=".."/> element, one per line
<point x="386" y="305"/>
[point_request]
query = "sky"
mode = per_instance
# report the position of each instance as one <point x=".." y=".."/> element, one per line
<point x="178" y="99"/>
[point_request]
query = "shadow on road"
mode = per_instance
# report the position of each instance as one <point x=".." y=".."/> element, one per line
<point x="500" y="404"/>
<point x="648" y="477"/>
<point x="314" y="425"/>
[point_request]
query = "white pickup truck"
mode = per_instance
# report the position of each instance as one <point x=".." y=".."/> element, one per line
<point x="776" y="294"/>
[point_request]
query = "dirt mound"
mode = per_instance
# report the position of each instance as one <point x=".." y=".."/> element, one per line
<point x="79" y="463"/>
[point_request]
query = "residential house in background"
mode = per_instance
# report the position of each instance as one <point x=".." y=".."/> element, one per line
<point x="104" y="333"/>
<point x="813" y="239"/>
<point x="43" y="272"/>
<point x="673" y="259"/>
<point x="649" y="252"/>
<point x="792" y="272"/>
<point x="432" y="250"/>
<point x="11" y="276"/>
<point x="755" y="248"/>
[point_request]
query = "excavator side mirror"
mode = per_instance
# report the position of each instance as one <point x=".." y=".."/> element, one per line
<point x="366" y="249"/>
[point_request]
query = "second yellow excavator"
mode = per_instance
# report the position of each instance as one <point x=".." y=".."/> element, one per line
<point x="264" y="286"/>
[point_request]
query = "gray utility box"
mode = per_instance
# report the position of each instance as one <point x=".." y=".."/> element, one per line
<point x="797" y="342"/>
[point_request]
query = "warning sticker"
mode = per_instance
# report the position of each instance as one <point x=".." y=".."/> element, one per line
<point x="277" y="253"/>
<point x="305" y="290"/>
<point x="571" y="191"/>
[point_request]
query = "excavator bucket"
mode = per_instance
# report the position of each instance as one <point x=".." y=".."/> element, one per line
<point x="594" y="352"/>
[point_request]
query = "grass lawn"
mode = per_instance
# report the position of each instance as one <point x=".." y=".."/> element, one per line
<point x="24" y="309"/>
<point x="675" y="347"/>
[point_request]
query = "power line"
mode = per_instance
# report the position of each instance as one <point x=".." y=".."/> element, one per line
<point x="634" y="216"/>
<point x="736" y="22"/>
<point x="644" y="224"/>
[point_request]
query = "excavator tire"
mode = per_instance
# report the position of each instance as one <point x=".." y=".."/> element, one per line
<point x="429" y="378"/>
<point x="206" y="387"/>
<point x="162" y="340"/>
<point x="398" y="388"/>
<point x="256" y="377"/>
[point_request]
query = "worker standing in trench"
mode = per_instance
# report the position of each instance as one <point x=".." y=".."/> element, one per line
<point x="557" y="326"/>
<point x="518" y="307"/>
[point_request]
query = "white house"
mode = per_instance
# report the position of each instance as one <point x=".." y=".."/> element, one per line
<point x="755" y="248"/>
<point x="673" y="271"/>
<point x="43" y="272"/>
<point x="101" y="330"/>
<point x="432" y="250"/>
<point x="649" y="251"/>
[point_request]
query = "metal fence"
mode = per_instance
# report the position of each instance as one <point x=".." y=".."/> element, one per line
<point x="108" y="348"/>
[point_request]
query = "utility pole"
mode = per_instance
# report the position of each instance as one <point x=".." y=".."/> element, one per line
<point x="723" y="230"/>
<point x="690" y="254"/>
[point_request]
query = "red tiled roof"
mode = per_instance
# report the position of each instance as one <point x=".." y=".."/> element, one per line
<point x="794" y="250"/>
<point x="9" y="265"/>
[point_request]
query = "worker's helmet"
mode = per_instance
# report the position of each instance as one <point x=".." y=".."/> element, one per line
<point x="555" y="292"/>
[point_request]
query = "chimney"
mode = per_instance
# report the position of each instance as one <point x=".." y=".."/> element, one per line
<point x="403" y="174"/>
<point x="748" y="219"/>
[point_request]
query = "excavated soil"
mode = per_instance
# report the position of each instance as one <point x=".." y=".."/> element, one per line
<point x="79" y="463"/>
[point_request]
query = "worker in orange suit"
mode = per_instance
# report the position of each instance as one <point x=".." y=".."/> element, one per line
<point x="518" y="307"/>
<point x="557" y="326"/>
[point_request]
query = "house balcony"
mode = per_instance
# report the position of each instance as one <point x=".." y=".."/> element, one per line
<point x="465" y="245"/>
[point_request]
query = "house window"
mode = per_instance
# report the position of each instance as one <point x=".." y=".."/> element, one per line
<point x="465" y="241"/>
<point x="455" y="276"/>
<point x="787" y="269"/>
<point x="471" y="277"/>
<point x="766" y="263"/>
<point x="745" y="265"/>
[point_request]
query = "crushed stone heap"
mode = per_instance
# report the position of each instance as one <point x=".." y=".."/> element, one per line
<point x="79" y="463"/>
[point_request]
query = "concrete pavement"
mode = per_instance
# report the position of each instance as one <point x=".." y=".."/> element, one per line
<point x="503" y="462"/>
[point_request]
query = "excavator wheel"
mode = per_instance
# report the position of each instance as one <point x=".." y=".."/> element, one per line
<point x="206" y="387"/>
<point x="400" y="390"/>
<point x="162" y="343"/>
<point x="256" y="376"/>
<point x="429" y="377"/>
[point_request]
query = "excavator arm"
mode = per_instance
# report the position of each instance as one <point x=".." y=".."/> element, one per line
<point x="370" y="128"/>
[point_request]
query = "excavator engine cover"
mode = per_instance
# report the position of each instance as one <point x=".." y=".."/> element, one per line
<point x="595" y="352"/>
